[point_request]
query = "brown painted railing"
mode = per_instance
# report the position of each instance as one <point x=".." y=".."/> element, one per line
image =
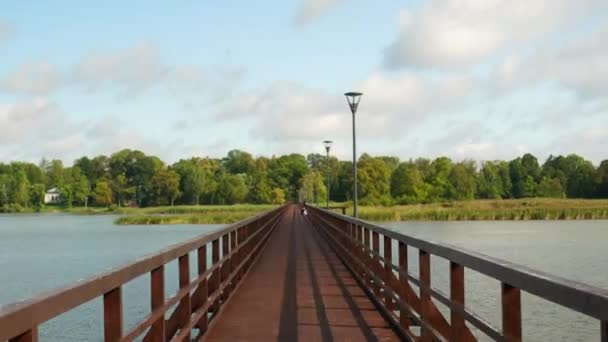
<point x="198" y="301"/>
<point x="389" y="283"/>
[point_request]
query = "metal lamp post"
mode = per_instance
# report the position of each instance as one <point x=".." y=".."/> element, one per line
<point x="353" y="99"/>
<point x="327" y="144"/>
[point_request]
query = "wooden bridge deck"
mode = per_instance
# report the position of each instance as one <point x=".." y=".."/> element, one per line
<point x="299" y="291"/>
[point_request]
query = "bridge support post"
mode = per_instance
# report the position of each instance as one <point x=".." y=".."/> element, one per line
<point x="157" y="294"/>
<point x="424" y="268"/>
<point x="388" y="272"/>
<point x="202" y="287"/>
<point x="511" y="312"/>
<point x="457" y="297"/>
<point x="112" y="315"/>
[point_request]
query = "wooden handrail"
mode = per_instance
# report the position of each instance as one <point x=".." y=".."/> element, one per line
<point x="242" y="243"/>
<point x="355" y="241"/>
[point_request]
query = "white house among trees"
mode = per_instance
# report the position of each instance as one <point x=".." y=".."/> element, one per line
<point x="52" y="196"/>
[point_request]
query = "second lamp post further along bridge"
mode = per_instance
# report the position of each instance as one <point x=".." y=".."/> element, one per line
<point x="327" y="144"/>
<point x="353" y="99"/>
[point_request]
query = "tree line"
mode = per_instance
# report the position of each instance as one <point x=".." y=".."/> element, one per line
<point x="132" y="178"/>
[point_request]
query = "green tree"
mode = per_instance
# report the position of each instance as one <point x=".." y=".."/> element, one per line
<point x="102" y="195"/>
<point x="19" y="188"/>
<point x="438" y="178"/>
<point x="231" y="189"/>
<point x="313" y="187"/>
<point x="602" y="180"/>
<point x="462" y="179"/>
<point x="278" y="196"/>
<point x="489" y="181"/>
<point x="374" y="178"/>
<point x="407" y="184"/>
<point x="238" y="161"/>
<point x="165" y="186"/>
<point x="37" y="192"/>
<point x="550" y="187"/>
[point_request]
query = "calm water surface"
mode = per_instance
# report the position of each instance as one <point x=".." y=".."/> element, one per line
<point x="41" y="252"/>
<point x="574" y="250"/>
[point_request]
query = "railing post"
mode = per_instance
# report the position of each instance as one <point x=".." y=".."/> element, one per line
<point x="511" y="312"/>
<point x="215" y="257"/>
<point x="375" y="268"/>
<point x="404" y="317"/>
<point x="225" y="269"/>
<point x="112" y="315"/>
<point x="202" y="287"/>
<point x="604" y="331"/>
<point x="367" y="258"/>
<point x="233" y="260"/>
<point x="157" y="299"/>
<point x="424" y="267"/>
<point x="28" y="336"/>
<point x="184" y="281"/>
<point x="457" y="297"/>
<point x="388" y="271"/>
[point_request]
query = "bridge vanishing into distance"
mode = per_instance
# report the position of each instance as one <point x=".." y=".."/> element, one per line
<point x="283" y="276"/>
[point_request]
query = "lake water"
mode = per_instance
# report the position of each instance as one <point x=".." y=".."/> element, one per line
<point x="41" y="252"/>
<point x="571" y="249"/>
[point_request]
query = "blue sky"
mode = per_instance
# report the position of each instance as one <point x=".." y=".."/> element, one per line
<point x="483" y="79"/>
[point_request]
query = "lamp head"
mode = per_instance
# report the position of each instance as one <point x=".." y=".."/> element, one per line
<point x="353" y="99"/>
<point x="327" y="144"/>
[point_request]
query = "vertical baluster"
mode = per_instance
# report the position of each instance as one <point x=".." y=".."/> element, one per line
<point x="376" y="270"/>
<point x="202" y="287"/>
<point x="215" y="257"/>
<point x="604" y="331"/>
<point x="225" y="264"/>
<point x="157" y="299"/>
<point x="388" y="272"/>
<point x="404" y="318"/>
<point x="233" y="259"/>
<point x="457" y="297"/>
<point x="424" y="260"/>
<point x="28" y="336"/>
<point x="511" y="312"/>
<point x="184" y="281"/>
<point x="112" y="315"/>
<point x="367" y="259"/>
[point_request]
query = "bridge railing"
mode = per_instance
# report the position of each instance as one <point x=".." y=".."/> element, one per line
<point x="197" y="302"/>
<point x="389" y="283"/>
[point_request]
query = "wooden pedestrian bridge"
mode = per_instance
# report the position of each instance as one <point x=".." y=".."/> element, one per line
<point x="283" y="276"/>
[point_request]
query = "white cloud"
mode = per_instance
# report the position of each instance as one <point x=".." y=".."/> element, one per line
<point x="132" y="70"/>
<point x="577" y="64"/>
<point x="460" y="33"/>
<point x="37" y="77"/>
<point x="312" y="9"/>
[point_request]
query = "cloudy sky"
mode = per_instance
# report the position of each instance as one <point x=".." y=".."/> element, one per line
<point x="483" y="79"/>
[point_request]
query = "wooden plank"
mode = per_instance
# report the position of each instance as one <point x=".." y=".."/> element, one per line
<point x="201" y="293"/>
<point x="112" y="315"/>
<point x="388" y="271"/>
<point x="424" y="260"/>
<point x="459" y="330"/>
<point x="184" y="281"/>
<point x="157" y="299"/>
<point x="404" y="319"/>
<point x="511" y="312"/>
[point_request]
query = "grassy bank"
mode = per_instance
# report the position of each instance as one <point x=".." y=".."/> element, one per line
<point x="521" y="209"/>
<point x="208" y="214"/>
